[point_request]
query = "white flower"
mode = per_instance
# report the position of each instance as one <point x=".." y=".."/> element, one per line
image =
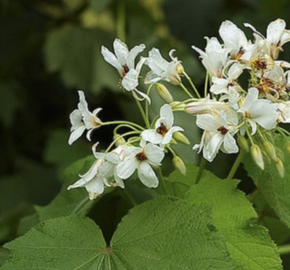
<point x="93" y="181"/>
<point x="221" y="85"/>
<point x="164" y="129"/>
<point x="276" y="37"/>
<point x="214" y="58"/>
<point x="284" y="112"/>
<point x="109" y="167"/>
<point x="260" y="111"/>
<point x="141" y="158"/>
<point x="162" y="69"/>
<point x="82" y="119"/>
<point x="124" y="61"/>
<point x="218" y="134"/>
<point x="235" y="40"/>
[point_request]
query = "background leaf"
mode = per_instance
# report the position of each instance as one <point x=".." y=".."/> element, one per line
<point x="249" y="245"/>
<point x="275" y="189"/>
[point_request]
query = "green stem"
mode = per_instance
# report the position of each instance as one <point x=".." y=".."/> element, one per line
<point x="283" y="250"/>
<point x="236" y="164"/>
<point x="82" y="206"/>
<point x="186" y="91"/>
<point x="121" y="21"/>
<point x="162" y="180"/>
<point x="201" y="168"/>
<point x="146" y="121"/>
<point x="192" y="84"/>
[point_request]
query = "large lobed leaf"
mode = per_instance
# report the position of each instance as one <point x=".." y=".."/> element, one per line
<point x="275" y="189"/>
<point x="250" y="246"/>
<point x="164" y="233"/>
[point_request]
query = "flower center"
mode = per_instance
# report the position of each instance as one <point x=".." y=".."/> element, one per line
<point x="223" y="130"/>
<point x="125" y="71"/>
<point x="247" y="114"/>
<point x="141" y="156"/>
<point x="162" y="130"/>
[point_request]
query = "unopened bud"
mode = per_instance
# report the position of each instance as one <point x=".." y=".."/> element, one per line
<point x="280" y="167"/>
<point x="179" y="165"/>
<point x="119" y="140"/>
<point x="270" y="150"/>
<point x="257" y="155"/>
<point x="279" y="153"/>
<point x="180" y="137"/>
<point x="164" y="93"/>
<point x="243" y="143"/>
<point x="287" y="146"/>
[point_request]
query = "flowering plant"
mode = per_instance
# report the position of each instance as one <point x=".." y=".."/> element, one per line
<point x="241" y="112"/>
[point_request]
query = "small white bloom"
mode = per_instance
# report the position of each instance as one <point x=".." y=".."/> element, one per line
<point x="235" y="40"/>
<point x="109" y="167"/>
<point x="82" y="119"/>
<point x="162" y="69"/>
<point x="124" y="61"/>
<point x="164" y="129"/>
<point x="276" y="37"/>
<point x="92" y="181"/>
<point x="141" y="158"/>
<point x="219" y="131"/>
<point x="260" y="111"/>
<point x="214" y="58"/>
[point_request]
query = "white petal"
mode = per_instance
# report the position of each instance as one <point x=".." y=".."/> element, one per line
<point x="147" y="175"/>
<point x="127" y="167"/>
<point x="167" y="115"/>
<point x="121" y="51"/>
<point x="274" y="31"/>
<point x="133" y="54"/>
<point x="80" y="183"/>
<point x="95" y="187"/>
<point x="130" y="81"/>
<point x="154" y="153"/>
<point x="168" y="136"/>
<point x="111" y="59"/>
<point x="76" y="134"/>
<point x="230" y="144"/>
<point x="211" y="149"/>
<point x="150" y="135"/>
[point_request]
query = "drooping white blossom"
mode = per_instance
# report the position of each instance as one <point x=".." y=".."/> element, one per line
<point x="161" y="69"/>
<point x="82" y="119"/>
<point x="124" y="61"/>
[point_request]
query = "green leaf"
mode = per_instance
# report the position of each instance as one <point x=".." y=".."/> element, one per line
<point x="75" y="53"/>
<point x="275" y="189"/>
<point x="249" y="245"/>
<point x="161" y="234"/>
<point x="267" y="217"/>
<point x="58" y="244"/>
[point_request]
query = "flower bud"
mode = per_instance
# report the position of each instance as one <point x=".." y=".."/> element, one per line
<point x="180" y="137"/>
<point x="119" y="140"/>
<point x="163" y="93"/>
<point x="257" y="155"/>
<point x="279" y="153"/>
<point x="179" y="165"/>
<point x="270" y="150"/>
<point x="287" y="146"/>
<point x="280" y="167"/>
<point x="243" y="143"/>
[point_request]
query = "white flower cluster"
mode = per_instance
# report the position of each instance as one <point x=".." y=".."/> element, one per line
<point x="248" y="97"/>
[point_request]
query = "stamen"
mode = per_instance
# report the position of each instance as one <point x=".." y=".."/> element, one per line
<point x="162" y="130"/>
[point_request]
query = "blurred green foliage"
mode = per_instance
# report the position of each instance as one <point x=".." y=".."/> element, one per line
<point x="51" y="48"/>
